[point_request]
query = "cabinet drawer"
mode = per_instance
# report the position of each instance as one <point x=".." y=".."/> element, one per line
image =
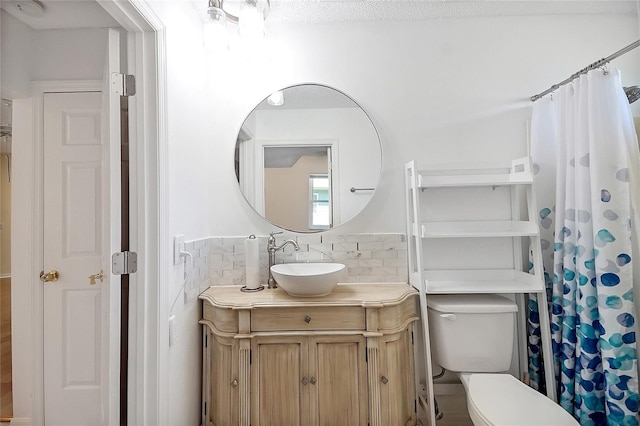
<point x="312" y="318"/>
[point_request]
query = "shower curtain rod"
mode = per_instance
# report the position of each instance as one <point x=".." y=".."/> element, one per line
<point x="588" y="68"/>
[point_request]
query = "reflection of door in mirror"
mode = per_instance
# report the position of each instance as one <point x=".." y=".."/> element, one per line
<point x="297" y="186"/>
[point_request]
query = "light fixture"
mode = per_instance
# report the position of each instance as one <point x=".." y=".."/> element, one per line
<point x="250" y="20"/>
<point x="276" y="98"/>
<point x="215" y="29"/>
<point x="32" y="8"/>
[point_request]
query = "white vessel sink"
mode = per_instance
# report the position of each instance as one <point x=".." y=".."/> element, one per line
<point x="308" y="279"/>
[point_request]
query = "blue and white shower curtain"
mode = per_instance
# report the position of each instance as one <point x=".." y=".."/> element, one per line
<point x="586" y="168"/>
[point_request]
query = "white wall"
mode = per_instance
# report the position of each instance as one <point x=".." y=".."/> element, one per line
<point x="16" y="46"/>
<point x="69" y="54"/>
<point x="438" y="91"/>
<point x="40" y="55"/>
<point x="191" y="133"/>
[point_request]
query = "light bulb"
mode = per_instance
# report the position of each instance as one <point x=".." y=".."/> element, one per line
<point x="215" y="30"/>
<point x="251" y="20"/>
<point x="276" y="98"/>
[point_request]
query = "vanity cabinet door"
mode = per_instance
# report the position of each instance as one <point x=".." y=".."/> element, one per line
<point x="222" y="388"/>
<point x="338" y="381"/>
<point x="278" y="376"/>
<point x="397" y="380"/>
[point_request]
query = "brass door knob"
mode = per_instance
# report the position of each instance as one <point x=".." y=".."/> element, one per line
<point x="51" y="276"/>
<point x="94" y="277"/>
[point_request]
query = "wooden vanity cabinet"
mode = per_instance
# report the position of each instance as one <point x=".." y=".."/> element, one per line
<point x="318" y="380"/>
<point x="342" y="359"/>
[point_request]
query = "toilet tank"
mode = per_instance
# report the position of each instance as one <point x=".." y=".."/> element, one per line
<point x="471" y="332"/>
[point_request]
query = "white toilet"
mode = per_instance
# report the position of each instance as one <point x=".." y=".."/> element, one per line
<point x="472" y="335"/>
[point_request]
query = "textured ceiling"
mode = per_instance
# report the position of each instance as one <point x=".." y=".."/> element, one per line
<point x="326" y="11"/>
<point x="88" y="14"/>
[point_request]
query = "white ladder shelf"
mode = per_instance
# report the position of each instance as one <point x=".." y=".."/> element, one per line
<point x="501" y="223"/>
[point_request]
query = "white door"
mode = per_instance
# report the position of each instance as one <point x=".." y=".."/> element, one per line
<point x="81" y="230"/>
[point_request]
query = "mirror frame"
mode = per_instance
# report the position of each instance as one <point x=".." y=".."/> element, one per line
<point x="245" y="180"/>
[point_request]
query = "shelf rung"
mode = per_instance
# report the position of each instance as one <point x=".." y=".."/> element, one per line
<point x="444" y="181"/>
<point x="482" y="281"/>
<point x="461" y="229"/>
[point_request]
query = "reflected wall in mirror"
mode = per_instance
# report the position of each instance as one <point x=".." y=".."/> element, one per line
<point x="297" y="163"/>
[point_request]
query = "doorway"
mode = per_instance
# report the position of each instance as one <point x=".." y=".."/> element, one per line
<point x="28" y="393"/>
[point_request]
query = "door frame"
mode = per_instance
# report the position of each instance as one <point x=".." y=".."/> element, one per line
<point x="148" y="346"/>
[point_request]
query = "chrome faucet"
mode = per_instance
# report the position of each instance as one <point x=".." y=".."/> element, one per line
<point x="272" y="248"/>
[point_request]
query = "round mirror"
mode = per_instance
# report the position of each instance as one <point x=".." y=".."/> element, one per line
<point x="308" y="158"/>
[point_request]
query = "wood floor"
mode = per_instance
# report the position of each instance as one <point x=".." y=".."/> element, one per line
<point x="6" y="405"/>
<point x="454" y="408"/>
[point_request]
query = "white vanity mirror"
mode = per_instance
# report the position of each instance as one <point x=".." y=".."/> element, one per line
<point x="308" y="158"/>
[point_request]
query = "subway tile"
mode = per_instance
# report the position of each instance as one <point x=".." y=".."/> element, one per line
<point x="385" y="254"/>
<point x="373" y="246"/>
<point x="382" y="238"/>
<point x="215" y="242"/>
<point x="226" y="265"/>
<point x="352" y="255"/>
<point x="330" y="239"/>
<point x="230" y="281"/>
<point x="232" y="257"/>
<point x="233" y="273"/>
<point x="397" y="263"/>
<point x="360" y="271"/>
<point x="394" y="246"/>
<point x="344" y="247"/>
<point x="309" y="239"/>
<point x="384" y="271"/>
<point x="403" y="279"/>
<point x="371" y="262"/>
<point x="351" y="263"/>
<point x="232" y="241"/>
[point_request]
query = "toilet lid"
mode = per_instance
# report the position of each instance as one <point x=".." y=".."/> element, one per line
<point x="501" y="399"/>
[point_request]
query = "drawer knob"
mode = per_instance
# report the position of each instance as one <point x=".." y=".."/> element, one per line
<point x="313" y="380"/>
<point x="384" y="380"/>
<point x="307" y="319"/>
<point x="234" y="383"/>
<point x="305" y="381"/>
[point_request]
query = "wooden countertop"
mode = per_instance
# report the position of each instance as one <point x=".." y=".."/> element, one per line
<point x="362" y="294"/>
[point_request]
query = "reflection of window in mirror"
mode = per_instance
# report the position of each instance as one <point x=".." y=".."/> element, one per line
<point x="319" y="202"/>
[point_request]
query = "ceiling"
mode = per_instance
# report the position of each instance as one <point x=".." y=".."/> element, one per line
<point x="60" y="14"/>
<point x="89" y="14"/>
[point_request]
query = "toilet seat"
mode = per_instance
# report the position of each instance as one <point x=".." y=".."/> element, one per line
<point x="501" y="399"/>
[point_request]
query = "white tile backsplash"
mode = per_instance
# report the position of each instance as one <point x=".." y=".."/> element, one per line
<point x="368" y="257"/>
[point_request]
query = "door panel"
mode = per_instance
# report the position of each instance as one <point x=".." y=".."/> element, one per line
<point x="279" y="365"/>
<point x="397" y="390"/>
<point x="73" y="308"/>
<point x="223" y="367"/>
<point x="339" y="389"/>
